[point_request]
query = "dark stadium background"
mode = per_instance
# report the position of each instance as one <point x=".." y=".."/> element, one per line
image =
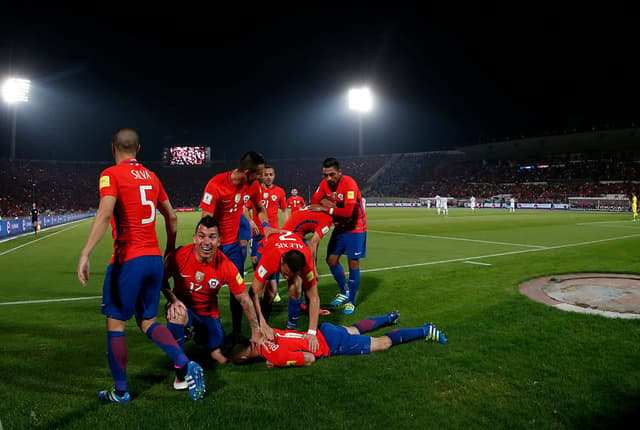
<point x="277" y="82"/>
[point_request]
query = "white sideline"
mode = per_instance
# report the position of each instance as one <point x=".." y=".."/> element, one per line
<point x="429" y="263"/>
<point x="44" y="236"/>
<point x="458" y="238"/>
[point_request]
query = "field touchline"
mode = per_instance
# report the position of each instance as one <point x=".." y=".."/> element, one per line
<point x="458" y="238"/>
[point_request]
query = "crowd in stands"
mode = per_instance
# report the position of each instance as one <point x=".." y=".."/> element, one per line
<point x="61" y="187"/>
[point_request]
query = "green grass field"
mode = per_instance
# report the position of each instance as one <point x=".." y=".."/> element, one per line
<point x="510" y="363"/>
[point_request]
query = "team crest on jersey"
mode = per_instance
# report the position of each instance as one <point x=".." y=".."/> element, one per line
<point x="274" y="197"/>
<point x="340" y="196"/>
<point x="199" y="276"/>
<point x="245" y="199"/>
<point x="238" y="197"/>
<point x="214" y="283"/>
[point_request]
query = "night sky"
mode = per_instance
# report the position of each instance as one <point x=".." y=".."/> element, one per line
<point x="277" y="83"/>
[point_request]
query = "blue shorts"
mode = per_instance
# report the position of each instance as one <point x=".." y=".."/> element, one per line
<point x="353" y="245"/>
<point x="341" y="342"/>
<point x="133" y="287"/>
<point x="255" y="242"/>
<point x="244" y="233"/>
<point x="208" y="330"/>
<point x="233" y="251"/>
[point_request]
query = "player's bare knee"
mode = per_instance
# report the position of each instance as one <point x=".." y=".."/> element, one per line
<point x="380" y="343"/>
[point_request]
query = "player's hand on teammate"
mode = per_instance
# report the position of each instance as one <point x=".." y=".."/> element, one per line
<point x="176" y="311"/>
<point x="317" y="208"/>
<point x="313" y="342"/>
<point x="255" y="231"/>
<point x="268" y="332"/>
<point x="83" y="270"/>
<point x="258" y="338"/>
<point x="268" y="231"/>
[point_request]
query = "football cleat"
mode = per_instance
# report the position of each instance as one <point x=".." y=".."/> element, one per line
<point x="432" y="333"/>
<point x="349" y="308"/>
<point x="180" y="385"/>
<point x="392" y="317"/>
<point x="339" y="299"/>
<point x="195" y="381"/>
<point x="111" y="396"/>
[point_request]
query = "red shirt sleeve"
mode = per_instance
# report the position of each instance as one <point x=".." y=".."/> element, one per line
<point x="232" y="277"/>
<point x="320" y="192"/>
<point x="208" y="202"/>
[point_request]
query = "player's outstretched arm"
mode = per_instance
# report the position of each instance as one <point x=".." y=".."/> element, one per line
<point x="257" y="337"/>
<point x="98" y="229"/>
<point x="171" y="224"/>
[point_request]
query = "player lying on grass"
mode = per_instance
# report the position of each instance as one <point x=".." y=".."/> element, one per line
<point x="290" y="348"/>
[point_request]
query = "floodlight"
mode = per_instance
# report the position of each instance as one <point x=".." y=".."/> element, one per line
<point x="360" y="99"/>
<point x="15" y="90"/>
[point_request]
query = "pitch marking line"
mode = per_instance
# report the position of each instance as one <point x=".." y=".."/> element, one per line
<point x="459" y="238"/>
<point x="429" y="263"/>
<point x="8" y="251"/>
<point x="478" y="263"/>
<point x="72" y="299"/>
<point x="627" y="222"/>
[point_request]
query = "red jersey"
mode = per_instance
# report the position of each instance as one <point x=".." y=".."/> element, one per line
<point x="197" y="285"/>
<point x="273" y="249"/>
<point x="350" y="208"/>
<point x="272" y="199"/>
<point x="289" y="346"/>
<point x="138" y="191"/>
<point x="226" y="202"/>
<point x="295" y="203"/>
<point x="304" y="221"/>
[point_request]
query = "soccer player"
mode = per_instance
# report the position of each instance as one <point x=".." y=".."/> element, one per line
<point x="444" y="204"/>
<point x="634" y="206"/>
<point x="294" y="202"/>
<point x="472" y="204"/>
<point x="35" y="215"/>
<point x="304" y="222"/>
<point x="438" y="204"/>
<point x="287" y="254"/>
<point x="512" y="205"/>
<point x="272" y="197"/>
<point x="349" y="235"/>
<point x="129" y="196"/>
<point x="199" y="271"/>
<point x="224" y="197"/>
<point x="289" y="347"/>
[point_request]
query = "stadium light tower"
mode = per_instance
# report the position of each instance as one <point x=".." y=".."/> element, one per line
<point x="361" y="101"/>
<point x="15" y="91"/>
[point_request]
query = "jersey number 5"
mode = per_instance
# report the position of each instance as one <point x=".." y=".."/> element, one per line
<point x="145" y="202"/>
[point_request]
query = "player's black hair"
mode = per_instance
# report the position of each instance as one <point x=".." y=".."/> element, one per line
<point x="207" y="221"/>
<point x="331" y="162"/>
<point x="269" y="166"/>
<point x="250" y="161"/>
<point x="294" y="259"/>
<point x="126" y="139"/>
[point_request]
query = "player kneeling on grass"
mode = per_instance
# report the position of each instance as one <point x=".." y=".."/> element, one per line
<point x="290" y="348"/>
<point x="199" y="271"/>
